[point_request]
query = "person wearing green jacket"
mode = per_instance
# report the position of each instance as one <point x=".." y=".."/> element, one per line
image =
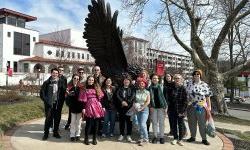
<point x="158" y="105"/>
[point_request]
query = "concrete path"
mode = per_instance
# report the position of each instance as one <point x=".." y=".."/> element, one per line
<point x="29" y="137"/>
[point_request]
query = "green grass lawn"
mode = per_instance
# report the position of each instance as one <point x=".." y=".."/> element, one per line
<point x="228" y="119"/>
<point x="14" y="113"/>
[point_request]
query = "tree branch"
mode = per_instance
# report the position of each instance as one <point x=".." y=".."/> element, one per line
<point x="230" y="19"/>
<point x="235" y="71"/>
<point x="177" y="5"/>
<point x="188" y="49"/>
<point x="241" y="16"/>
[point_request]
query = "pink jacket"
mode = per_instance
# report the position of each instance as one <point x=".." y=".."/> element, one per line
<point x="93" y="107"/>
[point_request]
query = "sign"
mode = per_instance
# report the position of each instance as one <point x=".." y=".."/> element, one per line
<point x="160" y="68"/>
<point x="10" y="72"/>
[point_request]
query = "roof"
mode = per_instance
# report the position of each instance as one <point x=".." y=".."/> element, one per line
<point x="47" y="60"/>
<point x="54" y="43"/>
<point x="160" y="51"/>
<point x="134" y="38"/>
<point x="6" y="12"/>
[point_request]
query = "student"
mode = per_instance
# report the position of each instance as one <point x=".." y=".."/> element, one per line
<point x="75" y="106"/>
<point x="93" y="111"/>
<point x="108" y="103"/>
<point x="142" y="100"/>
<point x="177" y="109"/>
<point x="198" y="103"/>
<point x="125" y="99"/>
<point x="53" y="94"/>
<point x="158" y="107"/>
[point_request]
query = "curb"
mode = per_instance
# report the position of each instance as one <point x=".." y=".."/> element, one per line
<point x="227" y="143"/>
<point x="238" y="109"/>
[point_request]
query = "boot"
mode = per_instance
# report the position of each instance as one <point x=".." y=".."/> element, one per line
<point x="86" y="140"/>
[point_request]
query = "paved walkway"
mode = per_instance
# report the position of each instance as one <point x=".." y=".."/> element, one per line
<point x="29" y="135"/>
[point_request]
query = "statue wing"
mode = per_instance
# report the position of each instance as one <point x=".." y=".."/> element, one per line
<point x="103" y="39"/>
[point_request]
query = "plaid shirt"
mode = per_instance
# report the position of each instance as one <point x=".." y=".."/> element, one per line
<point x="178" y="99"/>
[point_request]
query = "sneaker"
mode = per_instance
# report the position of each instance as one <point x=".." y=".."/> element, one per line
<point x="103" y="135"/>
<point x="66" y="127"/>
<point x="78" y="138"/>
<point x="72" y="139"/>
<point x="94" y="142"/>
<point x="162" y="140"/>
<point x="111" y="135"/>
<point x="45" y="137"/>
<point x="154" y="141"/>
<point x="139" y="141"/>
<point x="191" y="139"/>
<point x="129" y="138"/>
<point x="174" y="142"/>
<point x="120" y="138"/>
<point x="205" y="142"/>
<point x="180" y="142"/>
<point x="57" y="135"/>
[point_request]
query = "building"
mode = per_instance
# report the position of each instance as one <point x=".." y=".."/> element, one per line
<point x="31" y="56"/>
<point x="137" y="51"/>
<point x="174" y="62"/>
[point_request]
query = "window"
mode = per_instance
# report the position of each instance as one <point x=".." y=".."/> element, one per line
<point x="20" y="23"/>
<point x="57" y="53"/>
<point x="11" y="21"/>
<point x="21" y="44"/>
<point x="82" y="56"/>
<point x="73" y="54"/>
<point x="49" y="52"/>
<point x="9" y="34"/>
<point x="87" y="56"/>
<point x="68" y="56"/>
<point x="34" y="39"/>
<point x="15" y="66"/>
<point x="2" y="20"/>
<point x="62" y="53"/>
<point x="78" y="55"/>
<point x="25" y="67"/>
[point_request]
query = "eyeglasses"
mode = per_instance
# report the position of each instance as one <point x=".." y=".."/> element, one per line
<point x="76" y="78"/>
<point x="61" y="70"/>
<point x="81" y="72"/>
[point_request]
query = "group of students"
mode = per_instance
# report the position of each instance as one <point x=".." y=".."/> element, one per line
<point x="144" y="101"/>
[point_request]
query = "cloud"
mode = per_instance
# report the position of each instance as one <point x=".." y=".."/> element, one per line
<point x="55" y="15"/>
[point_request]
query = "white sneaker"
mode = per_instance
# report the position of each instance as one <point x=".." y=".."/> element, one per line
<point x="180" y="142"/>
<point x="103" y="135"/>
<point x="129" y="139"/>
<point x="120" y="138"/>
<point x="111" y="135"/>
<point x="174" y="142"/>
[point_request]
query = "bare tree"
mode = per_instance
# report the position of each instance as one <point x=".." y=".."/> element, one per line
<point x="207" y="28"/>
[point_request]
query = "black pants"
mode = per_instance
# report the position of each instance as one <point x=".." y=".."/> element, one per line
<point x="91" y="123"/>
<point x="177" y="125"/>
<point x="52" y="117"/>
<point x="69" y="118"/>
<point x="122" y="120"/>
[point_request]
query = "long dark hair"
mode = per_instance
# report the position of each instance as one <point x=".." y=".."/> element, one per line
<point x="96" y="85"/>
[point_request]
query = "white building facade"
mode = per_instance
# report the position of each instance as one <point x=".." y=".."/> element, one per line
<point x="31" y="57"/>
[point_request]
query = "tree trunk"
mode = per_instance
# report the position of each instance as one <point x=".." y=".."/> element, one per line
<point x="215" y="81"/>
<point x="232" y="89"/>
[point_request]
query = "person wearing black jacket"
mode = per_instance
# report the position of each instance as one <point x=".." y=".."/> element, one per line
<point x="53" y="94"/>
<point x="177" y="109"/>
<point x="75" y="105"/>
<point x="125" y="98"/>
<point x="110" y="109"/>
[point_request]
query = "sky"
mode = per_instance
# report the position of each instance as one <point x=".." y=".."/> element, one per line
<point x="55" y="15"/>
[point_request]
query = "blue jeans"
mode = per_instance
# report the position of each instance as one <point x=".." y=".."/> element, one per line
<point x="109" y="122"/>
<point x="142" y="117"/>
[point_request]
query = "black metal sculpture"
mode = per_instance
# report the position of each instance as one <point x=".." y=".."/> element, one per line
<point x="103" y="39"/>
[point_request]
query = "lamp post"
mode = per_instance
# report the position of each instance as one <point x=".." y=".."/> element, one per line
<point x="38" y="76"/>
<point x="7" y="77"/>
